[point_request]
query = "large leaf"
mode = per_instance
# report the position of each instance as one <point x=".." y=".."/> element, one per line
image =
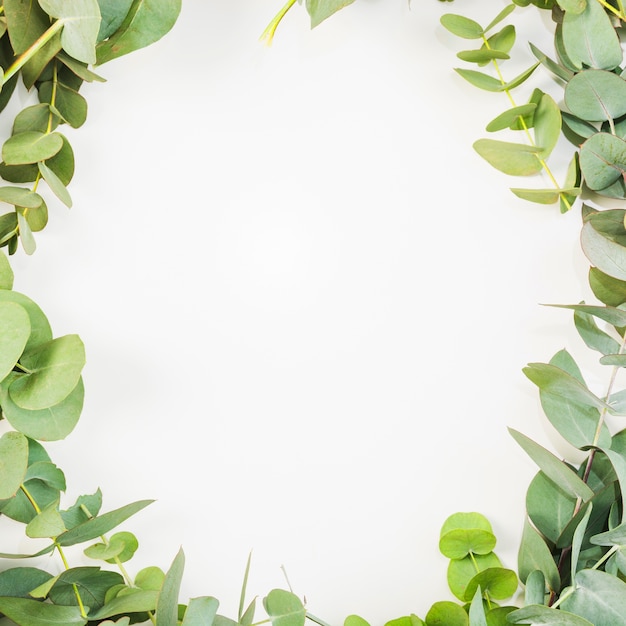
<point x="596" y="95"/>
<point x="598" y="597"/>
<point x="540" y="614"/>
<point x="600" y="247"/>
<point x="602" y="160"/>
<point x="30" y="147"/>
<point x="27" y="612"/>
<point x="590" y="38"/>
<point x="6" y="273"/>
<point x="54" y="370"/>
<point x="40" y="331"/>
<point x="26" y="23"/>
<point x="534" y="555"/>
<point x="553" y="467"/>
<point x="13" y="463"/>
<point x="136" y="602"/>
<point x="167" y="606"/>
<point x="81" y="23"/>
<point x="97" y="526"/>
<point x="146" y="22"/>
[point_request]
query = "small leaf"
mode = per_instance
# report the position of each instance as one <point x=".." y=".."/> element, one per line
<point x="500" y="17"/>
<point x="477" y="610"/>
<point x="480" y="79"/>
<point x="544" y="196"/>
<point x="462" y="26"/>
<point x="481" y="56"/>
<point x="284" y="608"/>
<point x="511" y="158"/>
<point x="26" y="234"/>
<point x="547" y="121"/>
<point x="48" y="523"/>
<point x="55" y="184"/>
<point x="509" y="117"/>
<point x="607" y="289"/>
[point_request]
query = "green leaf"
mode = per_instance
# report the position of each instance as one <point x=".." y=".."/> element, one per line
<point x="55" y="184"/>
<point x="462" y="26"/>
<point x="20" y="196"/>
<point x="461" y="571"/>
<point x="544" y="196"/>
<point x="547" y="121"/>
<point x="463" y="533"/>
<point x="167" y="605"/>
<point x="6" y="274"/>
<point x="590" y="38"/>
<point x="15" y="325"/>
<point x="355" y="620"/>
<point x="201" y="611"/>
<point x="602" y="251"/>
<point x="534" y="555"/>
<point x="596" y="95"/>
<point x="13" y="463"/>
<point x="602" y="160"/>
<point x="55" y="369"/>
<point x="511" y="158"/>
<point x="498" y="582"/>
<point x="119" y="548"/>
<point x="598" y="597"/>
<point x="284" y="608"/>
<point x="539" y="614"/>
<point x="481" y="56"/>
<point x="30" y="147"/>
<point x="521" y="78"/>
<point x="552" y="379"/>
<point x="113" y="13"/>
<point x="80" y="69"/>
<point x="138" y="601"/>
<point x="405" y="620"/>
<point x="576" y="423"/>
<point x="150" y="578"/>
<point x="608" y="290"/>
<point x="614" y="316"/>
<point x="47" y="524"/>
<point x="69" y="104"/>
<point x="81" y="23"/>
<point x="40" y="331"/>
<point x="476" y="611"/>
<point x="146" y="22"/>
<point x="593" y="336"/>
<point x="446" y="613"/>
<point x="553" y="467"/>
<point x="97" y="526"/>
<point x="557" y="69"/>
<point x="48" y="473"/>
<point x="579" y="536"/>
<point x="26" y="612"/>
<point x="18" y="582"/>
<point x="500" y="17"/>
<point x="32" y="118"/>
<point x="91" y="583"/>
<point x="535" y="591"/>
<point x="480" y="79"/>
<point x="26" y="22"/>
<point x="511" y="116"/>
<point x="26" y="234"/>
<point x="319" y="10"/>
<point x="572" y="6"/>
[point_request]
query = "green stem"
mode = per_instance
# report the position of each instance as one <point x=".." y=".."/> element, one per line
<point x="17" y="65"/>
<point x="606" y="557"/>
<point x="317" y="620"/>
<point x="619" y="13"/>
<point x="268" y="33"/>
<point x="529" y="136"/>
<point x="22" y="368"/>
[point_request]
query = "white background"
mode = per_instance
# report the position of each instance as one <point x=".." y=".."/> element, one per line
<point x="306" y="301"/>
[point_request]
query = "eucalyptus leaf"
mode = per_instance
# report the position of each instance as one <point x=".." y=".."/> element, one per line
<point x="284" y="608"/>
<point x="534" y="555"/>
<point x="510" y="117"/>
<point x="481" y="56"/>
<point x="579" y="536"/>
<point x="596" y="95"/>
<point x="602" y="160"/>
<point x="498" y="582"/>
<point x="476" y="611"/>
<point x="18" y="582"/>
<point x="40" y="331"/>
<point x="535" y="588"/>
<point x="55" y="184"/>
<point x="539" y="614"/>
<point x="557" y="69"/>
<point x="607" y="255"/>
<point x="146" y="22"/>
<point x="448" y="613"/>
<point x="462" y="571"/>
<point x="544" y="196"/>
<point x="26" y="22"/>
<point x="6" y="275"/>
<point x="137" y="602"/>
<point x="589" y="37"/>
<point x="13" y="463"/>
<point x="46" y="524"/>
<point x="30" y="147"/>
<point x="500" y="17"/>
<point x="480" y="79"/>
<point x="598" y="597"/>
<point x="27" y="612"/>
<point x="54" y="370"/>
<point x="510" y="158"/>
<point x="553" y="467"/>
<point x="15" y="325"/>
<point x="201" y="611"/>
<point x="547" y="120"/>
<point x="26" y="234"/>
<point x="462" y="26"/>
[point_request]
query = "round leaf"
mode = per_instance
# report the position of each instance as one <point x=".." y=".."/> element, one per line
<point x="461" y="571"/>
<point x="40" y="331"/>
<point x="498" y="582"/>
<point x="30" y="147"/>
<point x="602" y="160"/>
<point x="596" y="95"/>
<point x="457" y="544"/>
<point x="54" y="368"/>
<point x="446" y="613"/>
<point x="15" y="325"/>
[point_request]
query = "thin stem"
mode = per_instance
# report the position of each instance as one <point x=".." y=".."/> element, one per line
<point x="317" y="620"/>
<point x="612" y="9"/>
<point x="17" y="65"/>
<point x="268" y="33"/>
<point x="529" y="136"/>
<point x="606" y="556"/>
<point x="30" y="498"/>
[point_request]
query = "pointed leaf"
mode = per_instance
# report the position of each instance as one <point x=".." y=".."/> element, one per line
<point x="511" y="158"/>
<point x="462" y="26"/>
<point x="534" y="555"/>
<point x="509" y="117"/>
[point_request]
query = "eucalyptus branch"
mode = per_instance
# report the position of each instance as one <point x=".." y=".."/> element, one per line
<point x="268" y="34"/>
